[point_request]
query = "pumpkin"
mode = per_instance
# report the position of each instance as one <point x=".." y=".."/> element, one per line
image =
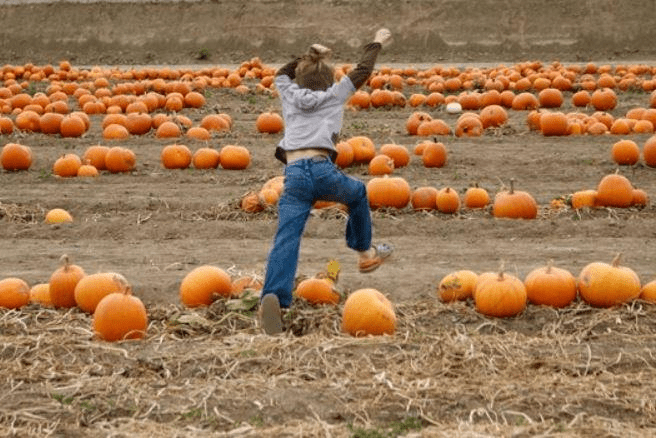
<point x="625" y="152"/>
<point x="458" y="285"/>
<point x="168" y="129"/>
<point x="424" y="198"/>
<point x="215" y="122"/>
<point x="345" y="154"/>
<point x="414" y="120"/>
<point x="203" y="285"/>
<point x="434" y="154"/>
<point x="194" y="99"/>
<point x="240" y="284"/>
<point x="551" y="286"/>
<point x="120" y="159"/>
<point x="94" y="287"/>
<point x="447" y="201"/>
<point x="363" y="149"/>
<point x="640" y="198"/>
<point x="584" y="198"/>
<point x="72" y="125"/>
<point x="62" y="283"/>
<point x="50" y="123"/>
<point x="605" y="285"/>
<point x="15" y="156"/>
<point x="58" y="216"/>
<point x="7" y="125"/>
<point x="476" y="197"/>
<point x="493" y="116"/>
<point x="381" y="165"/>
<point x="396" y="152"/>
<point x="67" y="165"/>
<point x="14" y="293"/>
<point x="469" y="126"/>
<point x="553" y="123"/>
<point x="269" y="123"/>
<point x="433" y="127"/>
<point x="499" y="294"/>
<point x="317" y="291"/>
<point x="603" y="99"/>
<point x="28" y="120"/>
<point x="368" y="312"/>
<point x="95" y="156"/>
<point x="388" y="191"/>
<point x="87" y="170"/>
<point x="648" y="292"/>
<point x="360" y="99"/>
<point x="550" y="98"/>
<point x="114" y="119"/>
<point x="206" y="158"/>
<point x="40" y="294"/>
<point x="119" y="316"/>
<point x="199" y="133"/>
<point x="234" y="157"/>
<point x="138" y="123"/>
<point x="614" y="190"/>
<point x="515" y="204"/>
<point x="251" y="202"/>
<point x="525" y="101"/>
<point x="175" y="156"/>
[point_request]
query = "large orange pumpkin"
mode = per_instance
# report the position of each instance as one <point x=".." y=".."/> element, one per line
<point x="14" y="293"/>
<point x="388" y="191"/>
<point x="176" y="156"/>
<point x="363" y="149"/>
<point x="551" y="286"/>
<point x="368" y="312"/>
<point x="605" y="285"/>
<point x="269" y="123"/>
<point x="234" y="157"/>
<point x="119" y="316"/>
<point x="614" y="190"/>
<point x="15" y="156"/>
<point x="317" y="291"/>
<point x="500" y="295"/>
<point x="67" y="165"/>
<point x="120" y="159"/>
<point x="203" y="285"/>
<point x="515" y="204"/>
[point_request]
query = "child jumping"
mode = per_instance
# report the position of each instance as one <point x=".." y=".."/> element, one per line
<point x="313" y="109"/>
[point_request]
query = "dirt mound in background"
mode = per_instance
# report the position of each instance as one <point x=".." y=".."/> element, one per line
<point x="183" y="31"/>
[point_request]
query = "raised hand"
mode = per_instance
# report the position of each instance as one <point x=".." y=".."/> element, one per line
<point x="383" y="36"/>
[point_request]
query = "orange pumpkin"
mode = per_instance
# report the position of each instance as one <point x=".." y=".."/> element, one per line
<point x="62" y="283"/>
<point x="317" y="291"/>
<point x="67" y="165"/>
<point x="138" y="123"/>
<point x="396" y="152"/>
<point x="614" y="190"/>
<point x="269" y="123"/>
<point x="14" y="293"/>
<point x="476" y="197"/>
<point x="199" y="133"/>
<point x="234" y="157"/>
<point x="388" y="191"/>
<point x="345" y="154"/>
<point x="553" y="123"/>
<point x="368" y="312"/>
<point x="176" y="156"/>
<point x="424" y="198"/>
<point x="515" y="204"/>
<point x="550" y="286"/>
<point x="648" y="292"/>
<point x="95" y="155"/>
<point x="50" y="123"/>
<point x="87" y="170"/>
<point x="434" y="154"/>
<point x="493" y="116"/>
<point x="363" y="149"/>
<point x="94" y="287"/>
<point x="240" y="284"/>
<point x="206" y="158"/>
<point x="500" y="295"/>
<point x="605" y="285"/>
<point x="203" y="285"/>
<point x="15" y="156"/>
<point x="119" y="159"/>
<point x="251" y="202"/>
<point x="120" y="316"/>
<point x="447" y="200"/>
<point x="168" y="129"/>
<point x="584" y="198"/>
<point x="215" y="122"/>
<point x="603" y="99"/>
<point x="414" y="120"/>
<point x="433" y="127"/>
<point x="469" y="126"/>
<point x="40" y="294"/>
<point x="72" y="125"/>
<point x="458" y="285"/>
<point x="649" y="151"/>
<point x="58" y="216"/>
<point x="625" y="152"/>
<point x="381" y="165"/>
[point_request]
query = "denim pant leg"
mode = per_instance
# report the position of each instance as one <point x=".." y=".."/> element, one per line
<point x="293" y="210"/>
<point x="334" y="185"/>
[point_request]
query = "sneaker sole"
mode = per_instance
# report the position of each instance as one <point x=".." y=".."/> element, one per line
<point x="271" y="317"/>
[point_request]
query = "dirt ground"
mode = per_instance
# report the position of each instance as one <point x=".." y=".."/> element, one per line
<point x="447" y="371"/>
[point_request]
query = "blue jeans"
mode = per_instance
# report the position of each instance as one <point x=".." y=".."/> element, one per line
<point x="306" y="181"/>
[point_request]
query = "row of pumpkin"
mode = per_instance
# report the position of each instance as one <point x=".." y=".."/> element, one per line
<point x="119" y="315"/>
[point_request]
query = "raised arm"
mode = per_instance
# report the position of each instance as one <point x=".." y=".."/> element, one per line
<point x="289" y="69"/>
<point x="362" y="71"/>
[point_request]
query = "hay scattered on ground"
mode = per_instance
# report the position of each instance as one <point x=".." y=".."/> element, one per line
<point x="447" y="371"/>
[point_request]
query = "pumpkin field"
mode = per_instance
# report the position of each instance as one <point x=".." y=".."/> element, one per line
<point x="552" y="131"/>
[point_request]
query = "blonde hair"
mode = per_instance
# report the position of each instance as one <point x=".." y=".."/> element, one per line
<point x="313" y="73"/>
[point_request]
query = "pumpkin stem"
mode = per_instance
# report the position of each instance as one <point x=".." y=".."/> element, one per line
<point x="125" y="287"/>
<point x="616" y="261"/>
<point x="512" y="186"/>
<point x="502" y="267"/>
<point x="65" y="261"/>
<point x="549" y="266"/>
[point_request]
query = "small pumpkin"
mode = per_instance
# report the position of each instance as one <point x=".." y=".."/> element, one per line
<point x="606" y="285"/>
<point x="424" y="198"/>
<point x="381" y="165"/>
<point x="550" y="286"/>
<point x="515" y="204"/>
<point x="345" y="154"/>
<point x="203" y="285"/>
<point x="40" y="294"/>
<point x="363" y="149"/>
<point x="499" y="294"/>
<point x="648" y="292"/>
<point x="584" y="198"/>
<point x="458" y="285"/>
<point x="625" y="152"/>
<point x="396" y="152"/>
<point x="206" y="158"/>
<point x="434" y="154"/>
<point x="447" y="200"/>
<point x="251" y="202"/>
<point x="67" y="165"/>
<point x="14" y="293"/>
<point x="234" y="157"/>
<point x="120" y="159"/>
<point x="120" y="316"/>
<point x="368" y="312"/>
<point x="317" y="291"/>
<point x="240" y="284"/>
<point x="94" y="287"/>
<point x="476" y="197"/>
<point x="269" y="123"/>
<point x="614" y="190"/>
<point x="175" y="156"/>
<point x="95" y="155"/>
<point x="58" y="216"/>
<point x="62" y="283"/>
